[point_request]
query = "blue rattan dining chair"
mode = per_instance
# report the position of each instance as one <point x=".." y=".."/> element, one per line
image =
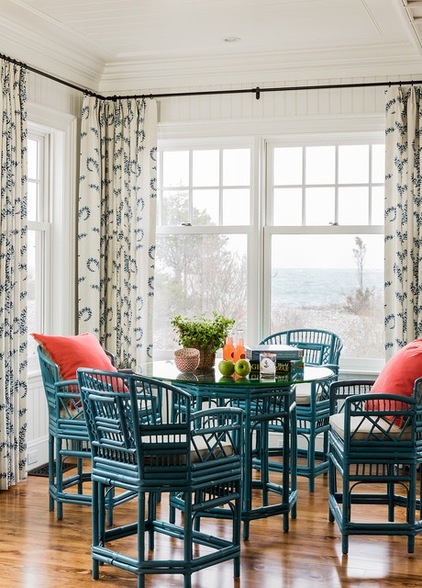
<point x="68" y="442"/>
<point x="375" y="444"/>
<point x="146" y="438"/>
<point x="313" y="406"/>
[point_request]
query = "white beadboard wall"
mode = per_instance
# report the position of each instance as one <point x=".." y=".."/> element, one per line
<point x="276" y="112"/>
<point x="292" y="111"/>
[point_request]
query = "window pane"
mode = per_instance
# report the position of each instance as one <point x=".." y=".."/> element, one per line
<point x="378" y="205"/>
<point x="332" y="282"/>
<point x="353" y="206"/>
<point x="288" y="166"/>
<point x="175" y="169"/>
<point x="32" y="159"/>
<point x="319" y="206"/>
<point x="32" y="201"/>
<point x="378" y="163"/>
<point x="236" y="207"/>
<point x="353" y="164"/>
<point x="33" y="318"/>
<point x="320" y="165"/>
<point x="287" y="206"/>
<point x="205" y="168"/>
<point x="205" y="207"/>
<point x="236" y="167"/>
<point x="175" y="208"/>
<point x="198" y="274"/>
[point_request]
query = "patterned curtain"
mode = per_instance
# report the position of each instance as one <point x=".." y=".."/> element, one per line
<point x="13" y="295"/>
<point x="403" y="253"/>
<point x="116" y="226"/>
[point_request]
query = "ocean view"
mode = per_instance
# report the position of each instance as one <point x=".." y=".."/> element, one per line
<point x="319" y="287"/>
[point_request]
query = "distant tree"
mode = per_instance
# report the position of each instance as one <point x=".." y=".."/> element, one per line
<point x="196" y="273"/>
<point x="361" y="300"/>
<point x="359" y="253"/>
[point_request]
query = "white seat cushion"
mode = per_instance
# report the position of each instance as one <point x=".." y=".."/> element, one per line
<point x="364" y="429"/>
<point x="303" y="393"/>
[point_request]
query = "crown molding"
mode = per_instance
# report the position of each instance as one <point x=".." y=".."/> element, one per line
<point x="155" y="76"/>
<point x="51" y="52"/>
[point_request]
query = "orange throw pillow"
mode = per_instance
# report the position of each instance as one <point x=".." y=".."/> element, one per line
<point x="400" y="372"/>
<point x="73" y="352"/>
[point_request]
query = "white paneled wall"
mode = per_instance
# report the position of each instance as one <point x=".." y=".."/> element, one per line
<point x="275" y="111"/>
<point x="37" y="436"/>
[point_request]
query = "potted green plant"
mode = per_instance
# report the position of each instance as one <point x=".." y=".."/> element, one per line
<point x="203" y="333"/>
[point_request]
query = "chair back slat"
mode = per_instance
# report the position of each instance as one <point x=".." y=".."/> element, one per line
<point x="320" y="347"/>
<point x="147" y="423"/>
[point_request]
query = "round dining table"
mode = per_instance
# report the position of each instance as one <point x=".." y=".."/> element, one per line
<point x="263" y="401"/>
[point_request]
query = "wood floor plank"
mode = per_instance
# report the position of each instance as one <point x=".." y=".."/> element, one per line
<point x="37" y="551"/>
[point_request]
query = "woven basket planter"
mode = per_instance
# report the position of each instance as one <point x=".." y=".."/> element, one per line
<point x="206" y="358"/>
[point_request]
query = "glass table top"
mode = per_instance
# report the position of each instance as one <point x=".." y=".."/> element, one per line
<point x="166" y="370"/>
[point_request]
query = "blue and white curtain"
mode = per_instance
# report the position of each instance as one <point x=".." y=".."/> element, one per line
<point x="116" y="225"/>
<point x="13" y="295"/>
<point x="403" y="231"/>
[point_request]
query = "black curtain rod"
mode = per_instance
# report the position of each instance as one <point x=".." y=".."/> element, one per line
<point x="257" y="91"/>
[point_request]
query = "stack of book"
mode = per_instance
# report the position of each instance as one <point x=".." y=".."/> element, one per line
<point x="289" y="361"/>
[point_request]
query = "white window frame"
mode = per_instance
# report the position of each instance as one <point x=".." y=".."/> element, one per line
<point x="58" y="291"/>
<point x="349" y="366"/>
<point x="251" y="231"/>
<point x="290" y="130"/>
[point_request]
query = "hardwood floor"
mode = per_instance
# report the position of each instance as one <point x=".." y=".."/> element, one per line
<point x="37" y="551"/>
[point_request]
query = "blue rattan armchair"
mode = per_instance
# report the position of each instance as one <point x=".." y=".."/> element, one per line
<point x="375" y="444"/>
<point x="146" y="438"/>
<point x="312" y="400"/>
<point x="68" y="442"/>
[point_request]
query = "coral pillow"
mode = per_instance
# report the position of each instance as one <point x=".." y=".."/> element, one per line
<point x="73" y="352"/>
<point x="400" y="372"/>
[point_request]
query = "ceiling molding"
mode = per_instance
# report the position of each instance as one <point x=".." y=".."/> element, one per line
<point x="76" y="64"/>
<point x="148" y="77"/>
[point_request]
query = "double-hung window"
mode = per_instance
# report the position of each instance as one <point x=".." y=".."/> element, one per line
<point x="204" y="233"/>
<point x="38" y="238"/>
<point x="324" y="242"/>
<point x="277" y="234"/>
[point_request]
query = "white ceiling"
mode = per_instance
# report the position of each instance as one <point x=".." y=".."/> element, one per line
<point x="114" y="46"/>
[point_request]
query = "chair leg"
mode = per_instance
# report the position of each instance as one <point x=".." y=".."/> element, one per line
<point x="345" y="544"/>
<point x="188" y="539"/>
<point x="311" y="461"/>
<point x="59" y="478"/>
<point x="141" y="534"/>
<point x="51" y="469"/>
<point x="97" y="516"/>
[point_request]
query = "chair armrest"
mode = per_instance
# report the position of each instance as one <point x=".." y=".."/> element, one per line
<point x="68" y="399"/>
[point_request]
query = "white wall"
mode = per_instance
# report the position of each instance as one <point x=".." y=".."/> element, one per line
<point x="296" y="111"/>
<point x="274" y="113"/>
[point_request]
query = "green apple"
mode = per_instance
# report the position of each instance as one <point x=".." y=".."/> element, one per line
<point x="226" y="367"/>
<point x="242" y="367"/>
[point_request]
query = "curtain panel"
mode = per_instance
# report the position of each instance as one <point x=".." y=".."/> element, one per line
<point x="403" y="254"/>
<point x="116" y="225"/>
<point x="13" y="268"/>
